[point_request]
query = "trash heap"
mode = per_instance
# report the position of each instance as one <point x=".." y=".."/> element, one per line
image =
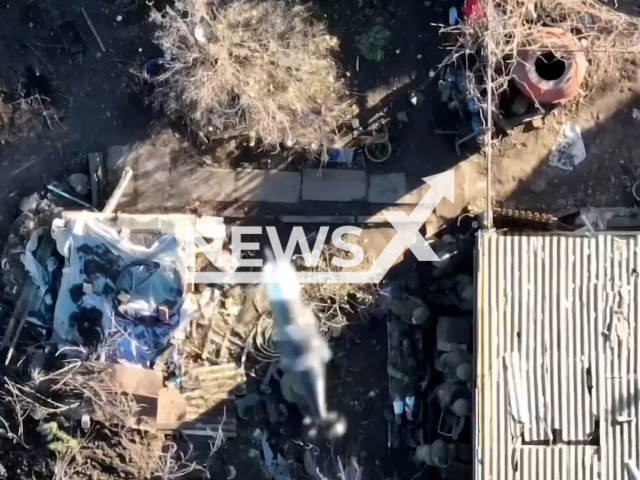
<point x="111" y="331"/>
<point x="114" y="289"/>
<point x="430" y="358"/>
<point x="92" y="312"/>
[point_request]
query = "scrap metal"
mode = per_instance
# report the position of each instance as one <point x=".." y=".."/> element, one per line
<point x="557" y="361"/>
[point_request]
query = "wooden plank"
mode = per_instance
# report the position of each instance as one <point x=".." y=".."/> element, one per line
<point x="112" y="203"/>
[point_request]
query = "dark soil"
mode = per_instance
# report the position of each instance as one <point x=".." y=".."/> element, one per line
<point x="61" y="96"/>
<point x="414" y="50"/>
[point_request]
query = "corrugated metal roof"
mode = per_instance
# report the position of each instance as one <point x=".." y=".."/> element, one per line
<point x="557" y="342"/>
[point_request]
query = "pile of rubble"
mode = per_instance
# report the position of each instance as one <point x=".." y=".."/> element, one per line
<point x="430" y="360"/>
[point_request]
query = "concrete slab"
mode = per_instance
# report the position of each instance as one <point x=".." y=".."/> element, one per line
<point x="267" y="186"/>
<point x="333" y="185"/>
<point x="172" y="223"/>
<point x="151" y="183"/>
<point x="391" y="188"/>
<point x="203" y="183"/>
<point x="319" y="219"/>
<point x="387" y="187"/>
<point x="377" y="218"/>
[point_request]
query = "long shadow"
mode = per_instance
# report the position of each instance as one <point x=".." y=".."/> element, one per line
<point x="603" y="179"/>
<point x="383" y="87"/>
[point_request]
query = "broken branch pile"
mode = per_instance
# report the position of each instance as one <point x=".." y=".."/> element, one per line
<point x="265" y="68"/>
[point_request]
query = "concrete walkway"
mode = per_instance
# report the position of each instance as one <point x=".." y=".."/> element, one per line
<point x="157" y="182"/>
<point x="163" y="183"/>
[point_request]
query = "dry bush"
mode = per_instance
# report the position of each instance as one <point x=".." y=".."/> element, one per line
<point x="507" y="26"/>
<point x="266" y="69"/>
<point x="91" y="382"/>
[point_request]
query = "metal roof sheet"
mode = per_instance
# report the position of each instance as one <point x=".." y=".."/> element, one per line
<point x="557" y="345"/>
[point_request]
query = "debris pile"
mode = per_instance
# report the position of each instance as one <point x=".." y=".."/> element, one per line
<point x="430" y="359"/>
<point x="108" y="330"/>
<point x="115" y="292"/>
<point x="93" y="302"/>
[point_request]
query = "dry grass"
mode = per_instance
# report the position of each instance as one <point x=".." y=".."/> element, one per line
<point x="91" y="382"/>
<point x="23" y="118"/>
<point x="336" y="304"/>
<point x="267" y="69"/>
<point x="491" y="42"/>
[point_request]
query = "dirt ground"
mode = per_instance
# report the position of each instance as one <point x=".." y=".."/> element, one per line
<point x="87" y="98"/>
<point x="58" y="104"/>
<point x="603" y="179"/>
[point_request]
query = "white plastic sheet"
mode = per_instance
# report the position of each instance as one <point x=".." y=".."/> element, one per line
<point x="114" y="289"/>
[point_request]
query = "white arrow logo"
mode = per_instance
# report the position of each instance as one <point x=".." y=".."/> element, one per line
<point x="407" y="236"/>
<point x="408" y="228"/>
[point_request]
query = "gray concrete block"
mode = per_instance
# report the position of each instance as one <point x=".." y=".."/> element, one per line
<point x="267" y="186"/>
<point x="387" y="187"/>
<point x="377" y="218"/>
<point x="392" y="188"/>
<point x="150" y="188"/>
<point x="334" y="185"/>
<point x="320" y="219"/>
<point x="204" y="183"/>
